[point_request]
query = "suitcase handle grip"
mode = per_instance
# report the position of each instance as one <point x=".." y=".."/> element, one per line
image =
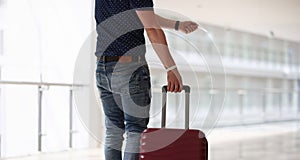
<point x="187" y="90"/>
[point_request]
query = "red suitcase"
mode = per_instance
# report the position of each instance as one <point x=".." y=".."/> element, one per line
<point x="173" y="144"/>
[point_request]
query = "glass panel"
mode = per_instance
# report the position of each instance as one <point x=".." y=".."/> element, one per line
<point x="298" y="106"/>
<point x="200" y="106"/>
<point x="232" y="109"/>
<point x="55" y="118"/>
<point x="1" y="42"/>
<point x="20" y="120"/>
<point x="2" y="118"/>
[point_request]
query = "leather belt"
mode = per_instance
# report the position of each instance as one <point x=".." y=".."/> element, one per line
<point x="121" y="59"/>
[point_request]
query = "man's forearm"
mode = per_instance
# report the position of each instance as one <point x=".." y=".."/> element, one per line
<point x="157" y="36"/>
<point x="159" y="43"/>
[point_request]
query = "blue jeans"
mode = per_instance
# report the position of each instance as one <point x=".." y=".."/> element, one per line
<point x="125" y="94"/>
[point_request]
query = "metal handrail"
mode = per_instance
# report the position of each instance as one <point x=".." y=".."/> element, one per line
<point x="275" y="90"/>
<point x="41" y="83"/>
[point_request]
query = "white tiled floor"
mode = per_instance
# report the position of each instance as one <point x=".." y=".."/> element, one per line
<point x="263" y="142"/>
<point x="280" y="141"/>
<point x="86" y="154"/>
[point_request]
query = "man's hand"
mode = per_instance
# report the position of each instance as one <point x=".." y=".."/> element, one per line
<point x="187" y="26"/>
<point x="184" y="26"/>
<point x="174" y="81"/>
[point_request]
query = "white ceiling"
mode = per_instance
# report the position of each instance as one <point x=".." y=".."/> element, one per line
<point x="255" y="16"/>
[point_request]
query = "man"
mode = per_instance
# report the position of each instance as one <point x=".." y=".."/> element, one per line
<point x="122" y="74"/>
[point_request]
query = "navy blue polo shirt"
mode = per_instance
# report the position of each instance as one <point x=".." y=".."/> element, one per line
<point x="119" y="29"/>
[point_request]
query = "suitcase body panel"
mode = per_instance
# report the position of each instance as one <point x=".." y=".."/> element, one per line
<point x="173" y="144"/>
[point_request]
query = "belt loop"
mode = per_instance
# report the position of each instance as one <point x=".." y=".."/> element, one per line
<point x="139" y="59"/>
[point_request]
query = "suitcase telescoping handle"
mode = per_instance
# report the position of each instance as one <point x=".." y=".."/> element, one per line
<point x="164" y="104"/>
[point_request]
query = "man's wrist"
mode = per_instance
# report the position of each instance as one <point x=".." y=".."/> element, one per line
<point x="171" y="68"/>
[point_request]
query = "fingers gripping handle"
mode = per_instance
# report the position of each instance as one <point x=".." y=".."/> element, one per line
<point x="186" y="88"/>
<point x="164" y="106"/>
